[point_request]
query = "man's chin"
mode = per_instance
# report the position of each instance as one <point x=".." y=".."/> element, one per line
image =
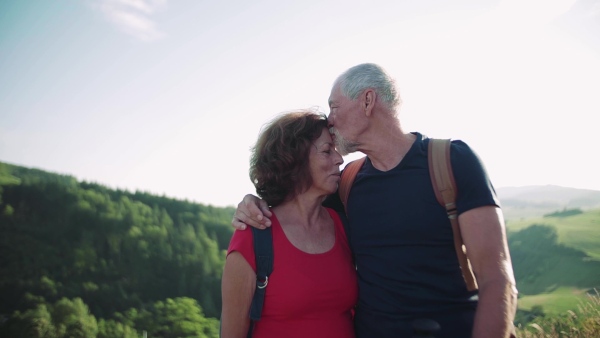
<point x="342" y="145"/>
<point x="340" y="148"/>
<point x="344" y="150"/>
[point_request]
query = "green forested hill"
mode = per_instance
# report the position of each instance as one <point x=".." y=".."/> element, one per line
<point x="132" y="259"/>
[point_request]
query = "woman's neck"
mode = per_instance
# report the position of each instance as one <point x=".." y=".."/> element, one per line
<point x="302" y="209"/>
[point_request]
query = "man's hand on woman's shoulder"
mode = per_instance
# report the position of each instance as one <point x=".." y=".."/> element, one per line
<point x="252" y="211"/>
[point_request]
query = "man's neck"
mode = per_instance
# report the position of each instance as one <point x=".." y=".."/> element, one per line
<point x="387" y="150"/>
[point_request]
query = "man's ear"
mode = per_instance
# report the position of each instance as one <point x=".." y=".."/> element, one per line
<point x="369" y="97"/>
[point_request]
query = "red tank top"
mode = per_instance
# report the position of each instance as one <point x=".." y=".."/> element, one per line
<point x="308" y="295"/>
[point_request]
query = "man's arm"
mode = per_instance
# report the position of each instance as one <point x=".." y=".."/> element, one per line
<point x="255" y="212"/>
<point x="484" y="236"/>
<point x="252" y="211"/>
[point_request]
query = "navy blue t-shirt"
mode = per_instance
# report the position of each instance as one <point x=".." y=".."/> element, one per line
<point x="403" y="244"/>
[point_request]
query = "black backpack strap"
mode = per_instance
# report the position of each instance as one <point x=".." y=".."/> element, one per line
<point x="263" y="252"/>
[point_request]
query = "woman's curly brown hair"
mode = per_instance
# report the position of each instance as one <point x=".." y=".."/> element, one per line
<point x="279" y="162"/>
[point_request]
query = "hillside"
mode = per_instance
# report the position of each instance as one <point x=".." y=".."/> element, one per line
<point x="536" y="201"/>
<point x="118" y="261"/>
<point x="581" y="231"/>
<point x="556" y="259"/>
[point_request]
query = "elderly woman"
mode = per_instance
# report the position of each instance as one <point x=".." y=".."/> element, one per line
<point x="313" y="288"/>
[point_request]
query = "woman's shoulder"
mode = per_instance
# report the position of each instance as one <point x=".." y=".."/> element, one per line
<point x="242" y="242"/>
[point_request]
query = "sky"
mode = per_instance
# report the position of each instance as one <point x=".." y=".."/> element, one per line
<point x="168" y="97"/>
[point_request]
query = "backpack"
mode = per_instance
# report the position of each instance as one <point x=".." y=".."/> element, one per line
<point x="444" y="186"/>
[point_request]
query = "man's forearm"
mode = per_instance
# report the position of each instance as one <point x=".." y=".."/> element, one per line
<point x="496" y="310"/>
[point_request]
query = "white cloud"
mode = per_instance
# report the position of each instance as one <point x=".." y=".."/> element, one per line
<point x="133" y="16"/>
<point x="147" y="7"/>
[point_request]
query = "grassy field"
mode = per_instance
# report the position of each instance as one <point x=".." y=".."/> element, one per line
<point x="579" y="231"/>
<point x="556" y="261"/>
<point x="558" y="301"/>
<point x="581" y="322"/>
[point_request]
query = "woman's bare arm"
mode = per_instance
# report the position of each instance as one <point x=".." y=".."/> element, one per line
<point x="237" y="289"/>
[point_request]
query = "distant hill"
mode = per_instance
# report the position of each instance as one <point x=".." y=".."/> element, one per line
<point x="538" y="200"/>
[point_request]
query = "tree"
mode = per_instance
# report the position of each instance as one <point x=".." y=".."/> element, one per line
<point x="111" y="329"/>
<point x="73" y="319"/>
<point x="34" y="323"/>
<point x="179" y="317"/>
<point x="67" y="318"/>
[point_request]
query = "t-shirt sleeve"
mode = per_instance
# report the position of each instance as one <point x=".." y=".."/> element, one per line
<point x="242" y="241"/>
<point x="474" y="188"/>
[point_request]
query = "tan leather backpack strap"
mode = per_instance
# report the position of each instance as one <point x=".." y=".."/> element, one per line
<point x="348" y="176"/>
<point x="442" y="177"/>
<point x="444" y="186"/>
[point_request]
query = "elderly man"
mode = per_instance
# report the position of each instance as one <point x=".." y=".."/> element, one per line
<point x="399" y="234"/>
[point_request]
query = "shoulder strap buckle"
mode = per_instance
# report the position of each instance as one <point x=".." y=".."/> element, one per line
<point x="262" y="283"/>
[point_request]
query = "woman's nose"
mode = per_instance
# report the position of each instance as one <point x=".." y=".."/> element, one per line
<point x="340" y="159"/>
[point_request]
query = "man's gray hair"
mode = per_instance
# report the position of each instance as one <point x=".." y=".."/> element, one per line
<point x="369" y="75"/>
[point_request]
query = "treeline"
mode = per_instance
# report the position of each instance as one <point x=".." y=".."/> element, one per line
<point x="565" y="213"/>
<point x="180" y="317"/>
<point x="128" y="260"/>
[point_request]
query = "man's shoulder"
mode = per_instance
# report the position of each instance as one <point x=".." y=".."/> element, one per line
<point x="426" y="138"/>
<point x="456" y="145"/>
